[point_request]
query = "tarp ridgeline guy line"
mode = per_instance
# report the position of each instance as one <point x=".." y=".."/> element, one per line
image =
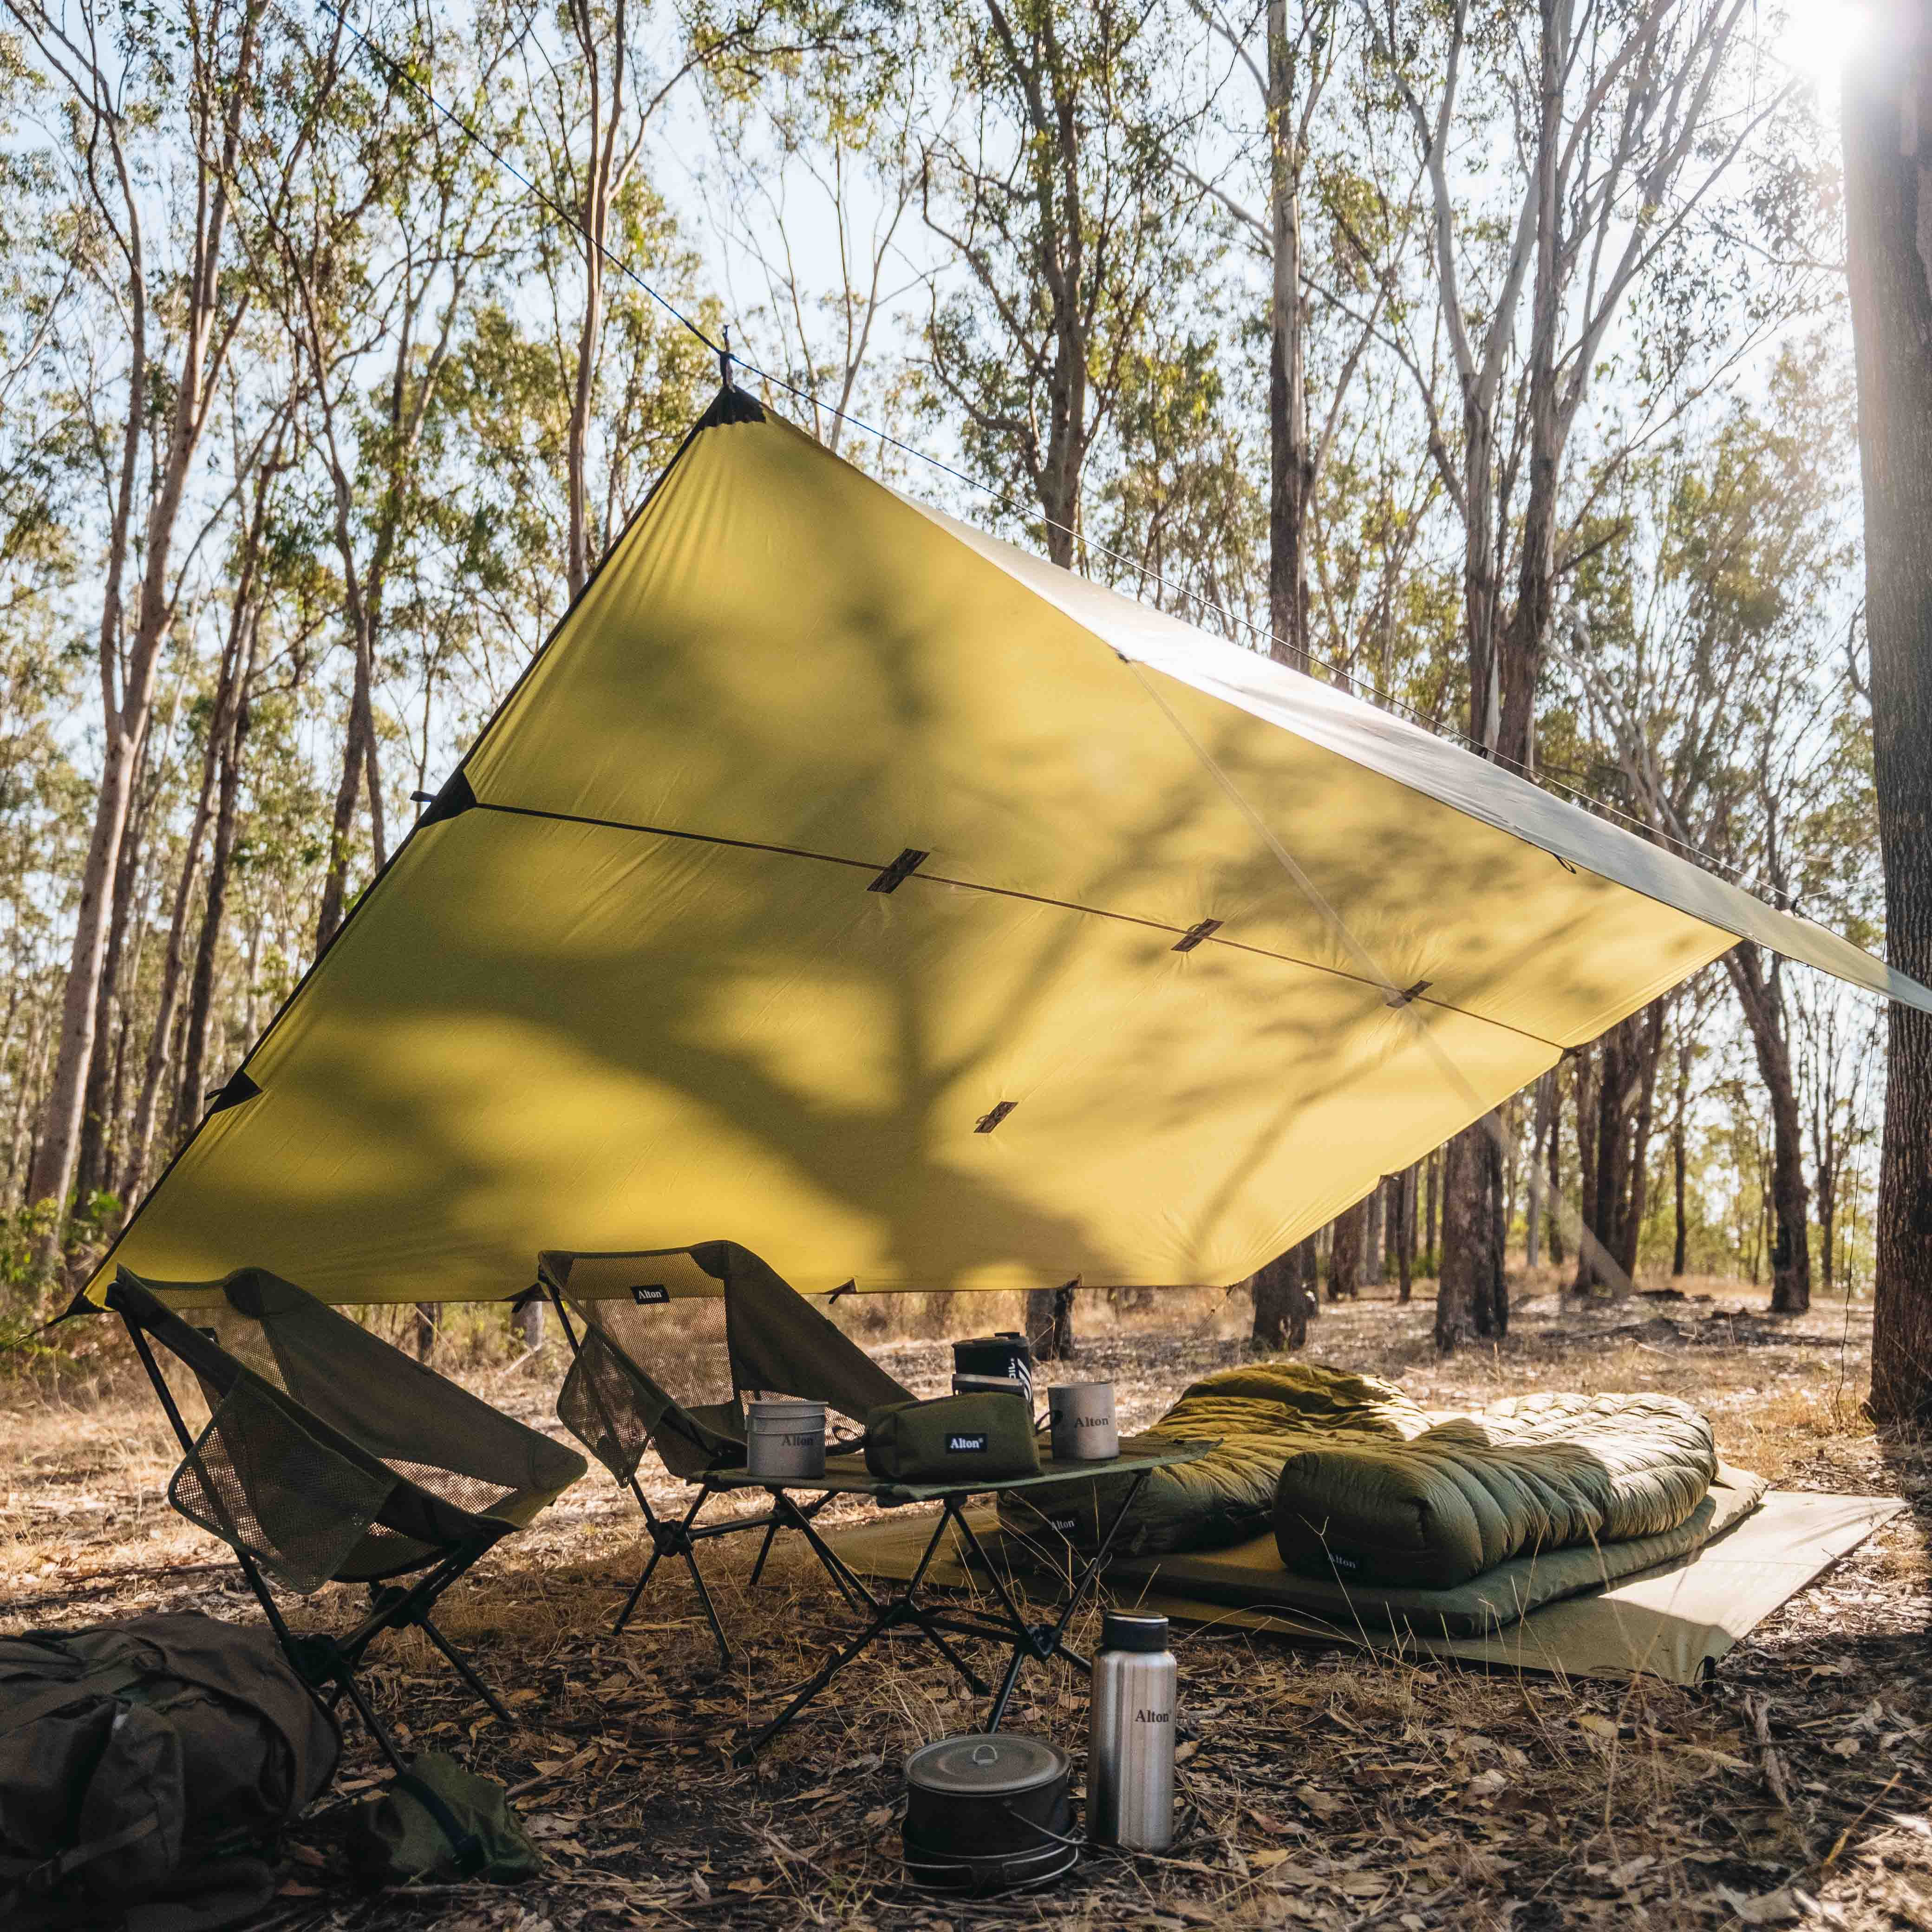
<point x="829" y="882"/>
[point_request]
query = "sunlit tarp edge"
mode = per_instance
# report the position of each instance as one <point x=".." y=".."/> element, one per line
<point x="1384" y="742"/>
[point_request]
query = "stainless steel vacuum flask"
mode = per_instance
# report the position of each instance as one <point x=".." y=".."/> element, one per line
<point x="1130" y="1751"/>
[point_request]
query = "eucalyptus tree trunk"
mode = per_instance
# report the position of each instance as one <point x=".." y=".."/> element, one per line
<point x="1281" y="1300"/>
<point x="1346" y="1234"/>
<point x="1758" y="994"/>
<point x="1471" y="1299"/>
<point x="1588" y="1069"/>
<point x="214" y="755"/>
<point x="221" y="101"/>
<point x="1049" y="1324"/>
<point x="1405" y="1233"/>
<point x="1544" y="1126"/>
<point x="190" y="1097"/>
<point x="1887" y="136"/>
<point x="1680" y="1159"/>
<point x="1553" y="1230"/>
<point x="1649" y="1041"/>
<point x="161" y="1038"/>
<point x="97" y="1104"/>
<point x="1429" y="1227"/>
<point x="605" y="166"/>
<point x="1291" y="467"/>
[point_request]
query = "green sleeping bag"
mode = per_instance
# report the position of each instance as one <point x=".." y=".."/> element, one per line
<point x="1361" y="1485"/>
<point x="1523" y="1476"/>
<point x="1258" y="1416"/>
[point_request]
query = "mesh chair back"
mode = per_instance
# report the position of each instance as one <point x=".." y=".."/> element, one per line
<point x="778" y="1341"/>
<point x="264" y="1483"/>
<point x="617" y="1411"/>
<point x="774" y="1340"/>
<point x="340" y="1456"/>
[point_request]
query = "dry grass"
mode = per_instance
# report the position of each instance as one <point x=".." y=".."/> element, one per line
<point x="1322" y="1790"/>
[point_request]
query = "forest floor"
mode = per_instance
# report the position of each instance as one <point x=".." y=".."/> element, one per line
<point x="1318" y="1789"/>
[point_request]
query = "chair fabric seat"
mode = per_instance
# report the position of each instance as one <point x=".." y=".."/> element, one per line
<point x="435" y="1468"/>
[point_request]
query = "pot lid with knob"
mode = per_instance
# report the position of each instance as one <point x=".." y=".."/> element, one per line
<point x="986" y="1765"/>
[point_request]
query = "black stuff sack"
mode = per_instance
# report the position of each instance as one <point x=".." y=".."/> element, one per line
<point x="437" y="1824"/>
<point x="146" y="1769"/>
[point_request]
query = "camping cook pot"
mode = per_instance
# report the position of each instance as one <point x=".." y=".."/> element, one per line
<point x="986" y="1812"/>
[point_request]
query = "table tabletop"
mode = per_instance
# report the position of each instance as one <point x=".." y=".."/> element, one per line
<point x="847" y="1476"/>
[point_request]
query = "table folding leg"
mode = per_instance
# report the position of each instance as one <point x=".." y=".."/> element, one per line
<point x="900" y="1611"/>
<point x="1044" y="1642"/>
<point x="904" y="1610"/>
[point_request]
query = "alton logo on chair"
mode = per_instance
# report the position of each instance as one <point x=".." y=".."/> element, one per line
<point x="650" y="1298"/>
<point x="961" y="1445"/>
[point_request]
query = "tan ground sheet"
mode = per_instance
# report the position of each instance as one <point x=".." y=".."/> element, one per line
<point x="1673" y="1621"/>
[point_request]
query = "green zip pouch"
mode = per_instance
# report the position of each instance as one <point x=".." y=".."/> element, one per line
<point x="986" y="1435"/>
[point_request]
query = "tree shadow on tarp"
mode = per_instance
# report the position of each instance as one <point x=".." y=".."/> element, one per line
<point x="577" y="1032"/>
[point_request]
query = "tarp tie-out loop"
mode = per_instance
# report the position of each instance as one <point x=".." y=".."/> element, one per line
<point x="901" y="869"/>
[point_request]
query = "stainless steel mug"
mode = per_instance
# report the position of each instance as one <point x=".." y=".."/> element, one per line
<point x="1130" y="1746"/>
<point x="1081" y="1417"/>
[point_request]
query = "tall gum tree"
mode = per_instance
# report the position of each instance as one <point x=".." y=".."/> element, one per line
<point x="102" y="72"/>
<point x="1709" y="668"/>
<point x="1287" y="76"/>
<point x="1622" y="131"/>
<point x="1888" y="141"/>
<point x="377" y="266"/>
<point x="1064" y="222"/>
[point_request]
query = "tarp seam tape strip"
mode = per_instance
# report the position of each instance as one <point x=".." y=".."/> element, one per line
<point x="1372" y="976"/>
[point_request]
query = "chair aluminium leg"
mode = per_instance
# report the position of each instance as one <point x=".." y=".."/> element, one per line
<point x="637" y="1591"/>
<point x="251" y="1572"/>
<point x="675" y="1539"/>
<point x="764" y="1550"/>
<point x="710" y="1610"/>
<point x="365" y="1711"/>
<point x="464" y="1669"/>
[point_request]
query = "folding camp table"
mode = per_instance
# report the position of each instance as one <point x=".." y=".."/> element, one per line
<point x="848" y="1475"/>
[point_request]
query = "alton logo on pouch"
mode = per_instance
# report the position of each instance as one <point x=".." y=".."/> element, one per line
<point x="962" y="1445"/>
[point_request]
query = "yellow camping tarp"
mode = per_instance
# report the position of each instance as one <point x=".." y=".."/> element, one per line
<point x="1183" y="952"/>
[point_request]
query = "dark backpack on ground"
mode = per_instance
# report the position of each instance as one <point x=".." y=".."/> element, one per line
<point x="145" y="1768"/>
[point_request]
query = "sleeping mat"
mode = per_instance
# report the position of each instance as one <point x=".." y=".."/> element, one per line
<point x="1259" y="1415"/>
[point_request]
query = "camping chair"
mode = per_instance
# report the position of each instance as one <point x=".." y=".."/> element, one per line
<point x="329" y="1456"/>
<point x="774" y="1340"/>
